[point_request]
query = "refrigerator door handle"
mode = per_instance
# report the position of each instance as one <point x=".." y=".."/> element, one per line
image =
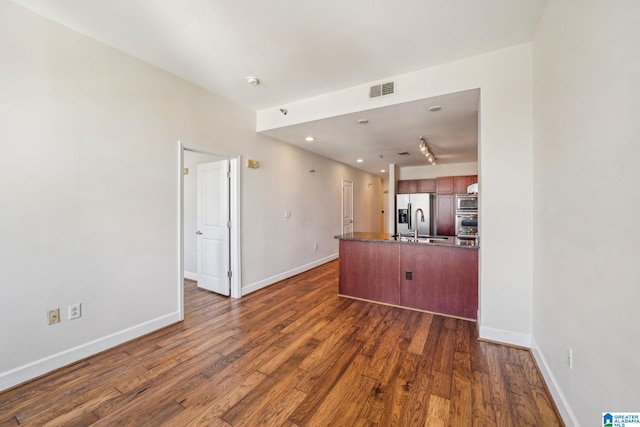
<point x="410" y="212"/>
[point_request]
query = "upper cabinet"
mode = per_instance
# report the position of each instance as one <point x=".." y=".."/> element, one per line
<point x="440" y="185"/>
<point x="444" y="185"/>
<point x="408" y="186"/>
<point x="427" y="185"/>
<point x="460" y="183"/>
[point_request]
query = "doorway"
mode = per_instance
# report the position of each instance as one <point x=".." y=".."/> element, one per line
<point x="188" y="227"/>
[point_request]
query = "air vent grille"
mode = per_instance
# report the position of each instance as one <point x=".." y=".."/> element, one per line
<point x="382" y="89"/>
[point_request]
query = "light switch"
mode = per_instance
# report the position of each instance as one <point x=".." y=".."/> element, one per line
<point x="287" y="214"/>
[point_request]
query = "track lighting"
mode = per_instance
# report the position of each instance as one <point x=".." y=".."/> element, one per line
<point x="424" y="147"/>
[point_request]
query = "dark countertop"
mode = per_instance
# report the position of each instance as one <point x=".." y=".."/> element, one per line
<point x="392" y="238"/>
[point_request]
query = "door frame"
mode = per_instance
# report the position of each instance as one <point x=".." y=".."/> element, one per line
<point x="234" y="215"/>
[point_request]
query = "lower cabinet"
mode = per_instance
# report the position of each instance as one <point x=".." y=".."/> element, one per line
<point x="440" y="279"/>
<point x="370" y="270"/>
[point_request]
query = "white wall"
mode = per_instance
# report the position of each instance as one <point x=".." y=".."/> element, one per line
<point x="426" y="172"/>
<point x="89" y="176"/>
<point x="505" y="168"/>
<point x="586" y="176"/>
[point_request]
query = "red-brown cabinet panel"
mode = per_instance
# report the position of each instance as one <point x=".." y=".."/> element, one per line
<point x="427" y="185"/>
<point x="369" y="270"/>
<point x="443" y="280"/>
<point x="460" y="184"/>
<point x="445" y="215"/>
<point x="444" y="185"/>
<point x="408" y="186"/>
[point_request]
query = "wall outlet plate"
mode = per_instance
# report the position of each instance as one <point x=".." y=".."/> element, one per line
<point x="54" y="316"/>
<point x="75" y="311"/>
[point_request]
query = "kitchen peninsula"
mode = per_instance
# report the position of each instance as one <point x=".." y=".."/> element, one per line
<point x="436" y="274"/>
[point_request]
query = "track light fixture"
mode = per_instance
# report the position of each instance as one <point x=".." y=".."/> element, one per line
<point x="424" y="147"/>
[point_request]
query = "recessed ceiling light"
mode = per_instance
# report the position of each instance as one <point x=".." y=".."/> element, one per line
<point x="363" y="121"/>
<point x="309" y="139"/>
<point x="435" y="108"/>
<point x="253" y="81"/>
<point x="382" y="170"/>
<point x="359" y="160"/>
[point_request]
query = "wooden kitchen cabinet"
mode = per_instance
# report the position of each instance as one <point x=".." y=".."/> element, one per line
<point x="370" y="270"/>
<point x="460" y="183"/>
<point x="445" y="215"/>
<point x="427" y="185"/>
<point x="408" y="186"/>
<point x="444" y="185"/>
<point x="443" y="280"/>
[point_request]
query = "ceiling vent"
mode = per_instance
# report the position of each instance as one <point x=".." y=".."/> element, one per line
<point x="382" y="89"/>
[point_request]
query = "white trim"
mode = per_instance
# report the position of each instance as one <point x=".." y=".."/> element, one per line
<point x="191" y="275"/>
<point x="285" y="275"/>
<point x="47" y="364"/>
<point x="566" y="413"/>
<point x="235" y="209"/>
<point x="505" y="337"/>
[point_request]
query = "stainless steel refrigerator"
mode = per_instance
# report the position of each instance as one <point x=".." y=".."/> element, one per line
<point x="406" y="207"/>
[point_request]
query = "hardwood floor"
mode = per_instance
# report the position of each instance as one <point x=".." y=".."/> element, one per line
<point x="294" y="354"/>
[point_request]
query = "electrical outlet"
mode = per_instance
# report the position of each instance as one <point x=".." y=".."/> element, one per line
<point x="54" y="316"/>
<point x="569" y="357"/>
<point x="75" y="311"/>
<point x="315" y="247"/>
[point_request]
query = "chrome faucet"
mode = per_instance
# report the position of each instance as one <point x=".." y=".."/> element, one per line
<point x="416" y="221"/>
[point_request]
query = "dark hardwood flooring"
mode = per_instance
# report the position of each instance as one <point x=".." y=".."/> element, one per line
<point x="294" y="354"/>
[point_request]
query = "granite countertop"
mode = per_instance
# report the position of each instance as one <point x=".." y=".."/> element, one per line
<point x="392" y="238"/>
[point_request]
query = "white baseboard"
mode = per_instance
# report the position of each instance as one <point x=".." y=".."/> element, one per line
<point x="191" y="275"/>
<point x="43" y="366"/>
<point x="506" y="337"/>
<point x="285" y="275"/>
<point x="566" y="413"/>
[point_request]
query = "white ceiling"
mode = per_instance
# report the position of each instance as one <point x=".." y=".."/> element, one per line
<point x="451" y="133"/>
<point x="303" y="48"/>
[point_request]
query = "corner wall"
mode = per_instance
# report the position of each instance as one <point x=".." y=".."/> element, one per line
<point x="586" y="175"/>
<point x="89" y="177"/>
<point x="505" y="169"/>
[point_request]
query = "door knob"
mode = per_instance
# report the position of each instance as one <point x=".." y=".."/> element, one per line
<point x="199" y="233"/>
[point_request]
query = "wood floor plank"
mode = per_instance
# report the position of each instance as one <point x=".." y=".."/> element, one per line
<point x="461" y="403"/>
<point x="211" y="402"/>
<point x="294" y="354"/>
<point x="438" y="413"/>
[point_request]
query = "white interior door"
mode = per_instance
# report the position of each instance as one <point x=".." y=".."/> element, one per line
<point x="213" y="227"/>
<point x="347" y="207"/>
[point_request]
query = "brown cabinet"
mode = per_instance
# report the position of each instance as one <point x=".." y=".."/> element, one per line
<point x="460" y="183"/>
<point x="427" y="185"/>
<point x="443" y="280"/>
<point x="445" y="215"/>
<point x="370" y="270"/>
<point x="408" y="186"/>
<point x="444" y="185"/>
